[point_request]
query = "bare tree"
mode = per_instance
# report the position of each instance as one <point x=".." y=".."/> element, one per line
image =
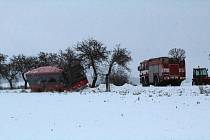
<point x="53" y="59"/>
<point x="92" y="53"/>
<point x="48" y="59"/>
<point x="24" y="64"/>
<point x="2" y="58"/>
<point x="120" y="57"/>
<point x="9" y="72"/>
<point x="65" y="61"/>
<point x="43" y="59"/>
<point x="66" y="57"/>
<point x="177" y="53"/>
<point x="2" y="61"/>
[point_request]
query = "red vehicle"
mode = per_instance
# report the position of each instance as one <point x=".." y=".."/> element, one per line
<point x="162" y="71"/>
<point x="200" y="76"/>
<point x="50" y="78"/>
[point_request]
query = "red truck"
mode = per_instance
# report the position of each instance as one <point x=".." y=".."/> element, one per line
<point x="162" y="71"/>
<point x="200" y="76"/>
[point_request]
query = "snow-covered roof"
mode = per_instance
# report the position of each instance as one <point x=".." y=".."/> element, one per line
<point x="45" y="70"/>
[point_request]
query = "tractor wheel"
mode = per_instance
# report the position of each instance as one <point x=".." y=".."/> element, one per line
<point x="176" y="84"/>
<point x="156" y="81"/>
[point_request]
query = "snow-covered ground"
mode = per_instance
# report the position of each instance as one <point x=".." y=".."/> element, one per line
<point x="127" y="113"/>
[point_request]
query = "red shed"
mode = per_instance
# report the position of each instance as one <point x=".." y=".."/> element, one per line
<point x="46" y="78"/>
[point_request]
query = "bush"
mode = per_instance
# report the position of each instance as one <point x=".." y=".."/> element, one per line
<point x="119" y="78"/>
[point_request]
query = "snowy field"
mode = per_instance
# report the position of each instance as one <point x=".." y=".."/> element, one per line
<point x="126" y="113"/>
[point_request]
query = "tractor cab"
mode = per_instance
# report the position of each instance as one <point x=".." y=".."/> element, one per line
<point x="200" y="72"/>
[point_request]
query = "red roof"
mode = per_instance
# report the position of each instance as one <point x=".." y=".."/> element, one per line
<point x="45" y="70"/>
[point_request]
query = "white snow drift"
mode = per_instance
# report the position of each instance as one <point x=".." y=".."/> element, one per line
<point x="126" y="113"/>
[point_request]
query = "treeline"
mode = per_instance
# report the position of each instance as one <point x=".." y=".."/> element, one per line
<point x="111" y="65"/>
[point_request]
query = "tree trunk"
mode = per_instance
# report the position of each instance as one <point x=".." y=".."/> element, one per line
<point x="94" y="81"/>
<point x="107" y="78"/>
<point x="23" y="76"/>
<point x="95" y="75"/>
<point x="107" y="83"/>
<point x="10" y="83"/>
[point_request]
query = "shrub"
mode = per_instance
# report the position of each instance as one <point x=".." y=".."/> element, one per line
<point x="119" y="78"/>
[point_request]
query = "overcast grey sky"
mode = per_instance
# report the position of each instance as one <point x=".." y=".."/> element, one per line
<point x="148" y="28"/>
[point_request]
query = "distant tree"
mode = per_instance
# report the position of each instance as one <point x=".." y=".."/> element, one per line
<point x="120" y="57"/>
<point x="2" y="61"/>
<point x="2" y="58"/>
<point x="9" y="72"/>
<point x="24" y="64"/>
<point x="118" y="77"/>
<point x="48" y="59"/>
<point x="65" y="59"/>
<point x="92" y="53"/>
<point x="177" y="53"/>
<point x="53" y="59"/>
<point x="43" y="59"/>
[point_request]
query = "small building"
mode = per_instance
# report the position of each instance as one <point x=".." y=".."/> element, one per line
<point x="46" y="78"/>
<point x="72" y="77"/>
